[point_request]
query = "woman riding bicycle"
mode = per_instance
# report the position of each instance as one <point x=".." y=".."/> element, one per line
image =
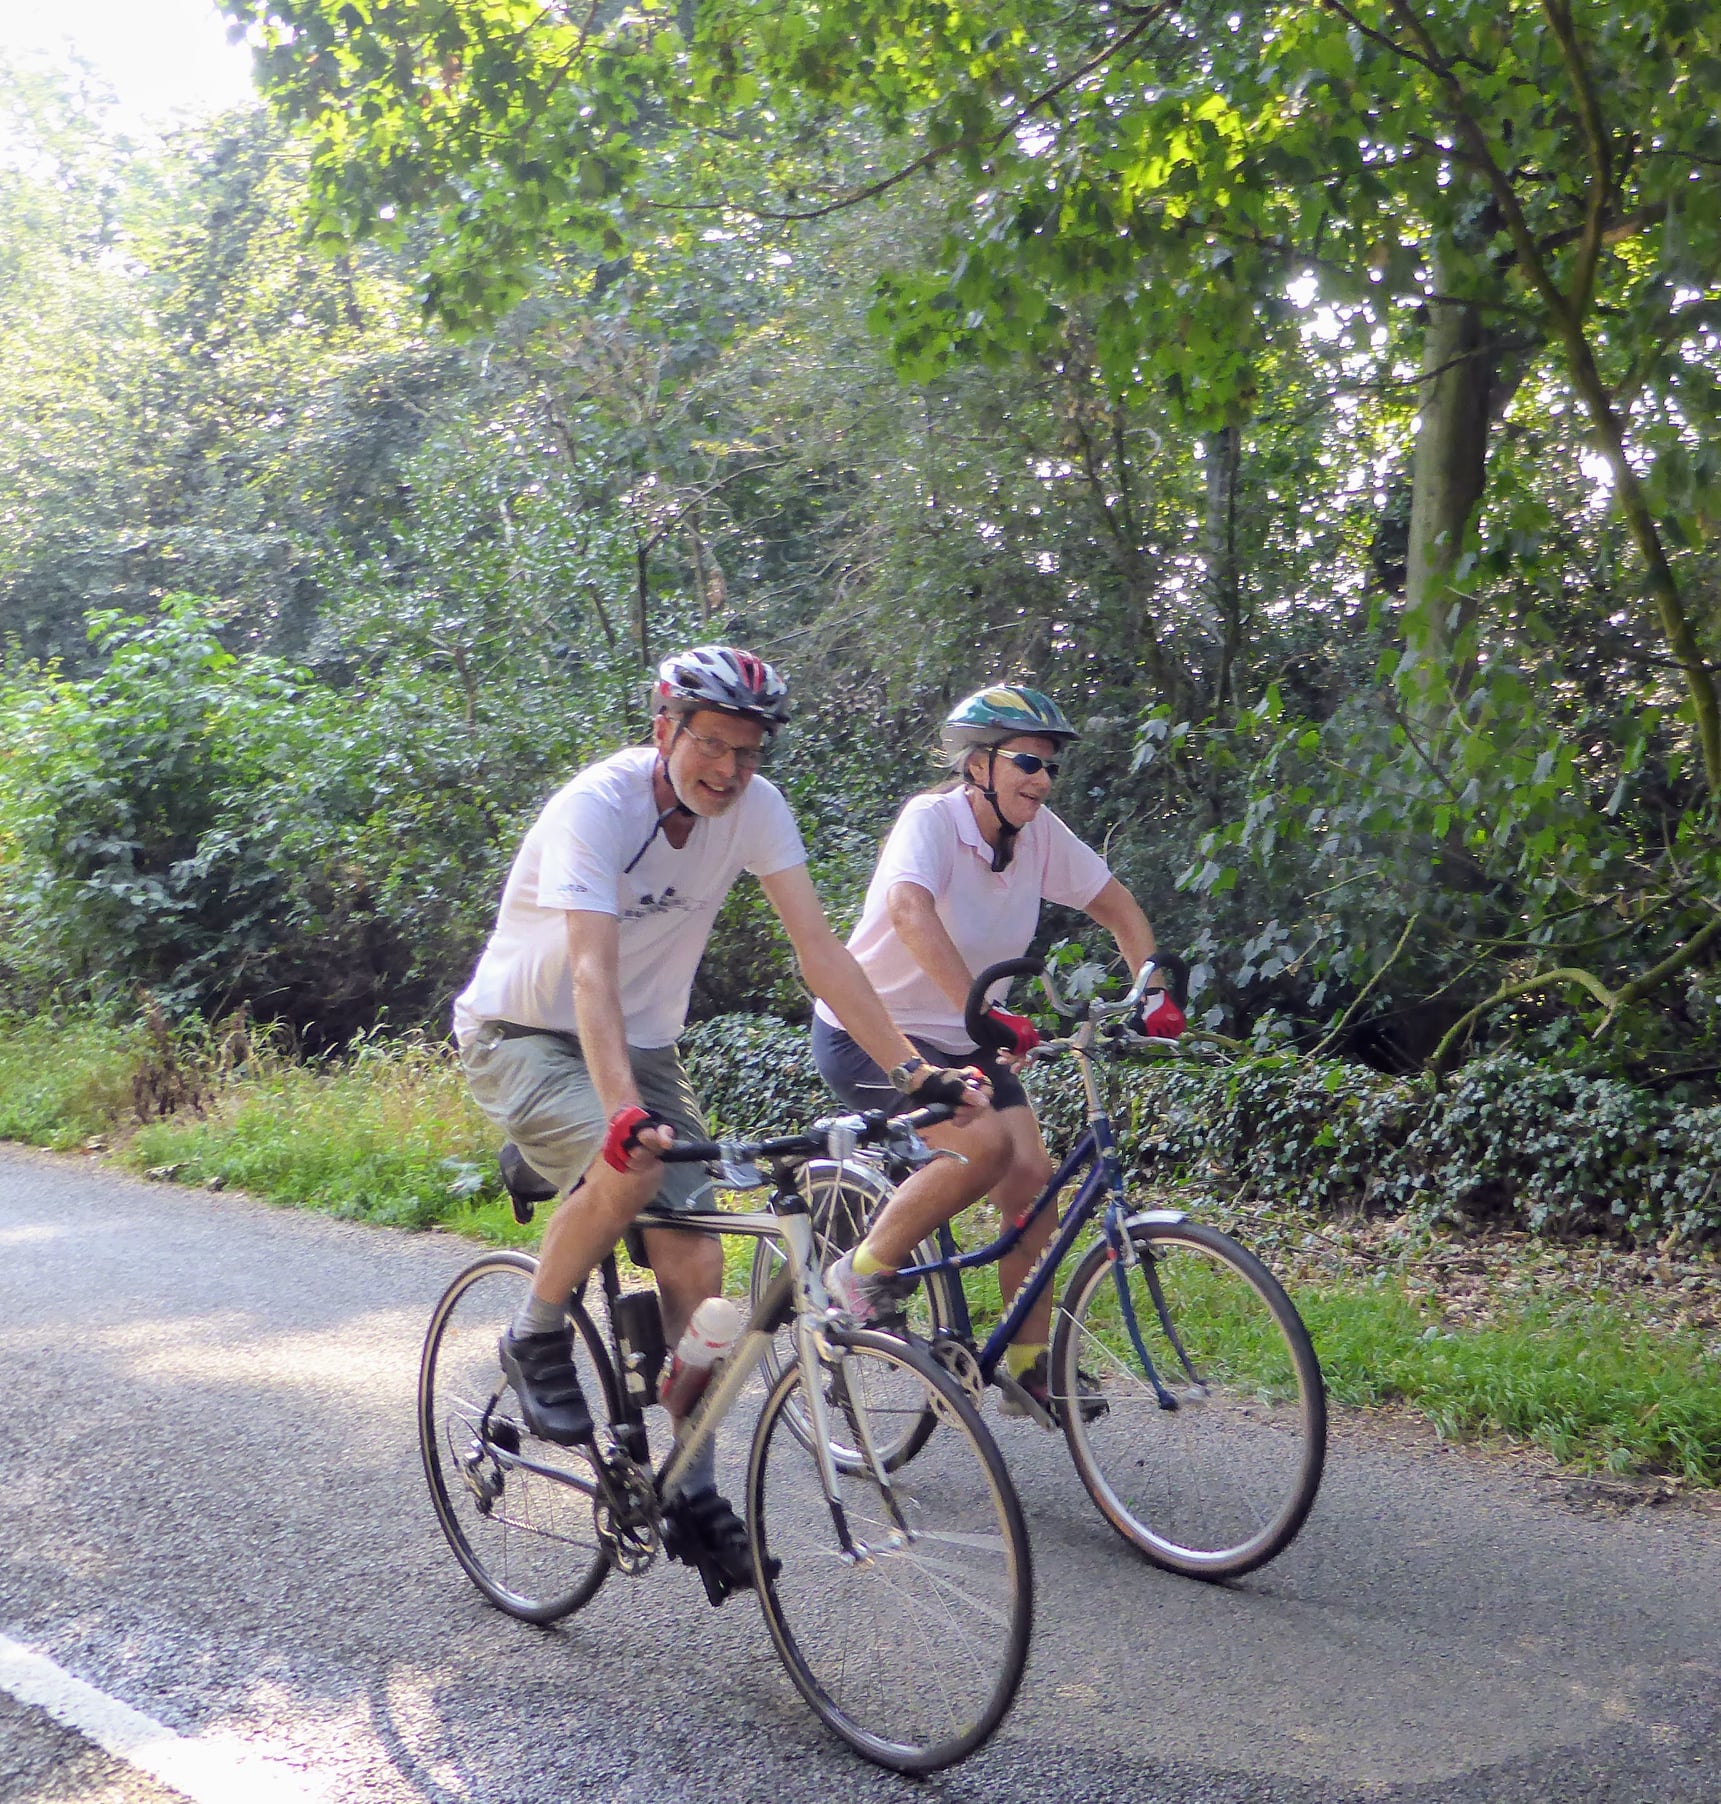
<point x="958" y="887"/>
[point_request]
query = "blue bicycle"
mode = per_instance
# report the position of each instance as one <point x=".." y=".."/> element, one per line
<point x="1182" y="1377"/>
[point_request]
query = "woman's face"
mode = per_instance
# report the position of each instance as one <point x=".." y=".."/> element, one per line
<point x="1021" y="794"/>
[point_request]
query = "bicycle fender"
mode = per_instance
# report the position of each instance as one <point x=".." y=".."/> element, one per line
<point x="1156" y="1218"/>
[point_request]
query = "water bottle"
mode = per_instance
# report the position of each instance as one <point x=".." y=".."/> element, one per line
<point x="709" y="1336"/>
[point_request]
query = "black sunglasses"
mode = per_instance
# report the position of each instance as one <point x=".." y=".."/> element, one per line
<point x="1029" y="765"/>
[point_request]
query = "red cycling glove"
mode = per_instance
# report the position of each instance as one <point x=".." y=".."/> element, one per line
<point x="1024" y="1035"/>
<point x="623" y="1134"/>
<point x="1160" y="1017"/>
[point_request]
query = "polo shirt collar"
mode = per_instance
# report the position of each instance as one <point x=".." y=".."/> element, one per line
<point x="968" y="828"/>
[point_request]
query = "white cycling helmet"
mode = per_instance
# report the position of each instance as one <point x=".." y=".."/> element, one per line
<point x="724" y="679"/>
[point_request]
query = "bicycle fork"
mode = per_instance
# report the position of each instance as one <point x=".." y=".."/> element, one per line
<point x="1123" y="1256"/>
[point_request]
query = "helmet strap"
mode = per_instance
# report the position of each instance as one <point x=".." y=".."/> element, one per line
<point x="675" y="808"/>
<point x="1005" y="849"/>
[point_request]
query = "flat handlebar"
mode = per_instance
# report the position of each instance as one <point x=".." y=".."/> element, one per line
<point x="872" y="1125"/>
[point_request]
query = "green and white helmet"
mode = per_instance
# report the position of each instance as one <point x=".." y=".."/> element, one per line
<point x="1005" y="711"/>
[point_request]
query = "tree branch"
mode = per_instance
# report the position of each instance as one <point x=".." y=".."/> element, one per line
<point x="1145" y="16"/>
<point x="1559" y="15"/>
<point x="1558" y="978"/>
<point x="1671" y="966"/>
<point x="1368" y="989"/>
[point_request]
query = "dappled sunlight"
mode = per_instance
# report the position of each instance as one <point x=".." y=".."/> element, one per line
<point x="374" y="1354"/>
<point x="33" y="1233"/>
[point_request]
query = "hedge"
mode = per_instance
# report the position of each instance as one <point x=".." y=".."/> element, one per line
<point x="1505" y="1140"/>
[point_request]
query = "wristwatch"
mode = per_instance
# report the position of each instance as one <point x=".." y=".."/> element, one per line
<point x="902" y="1076"/>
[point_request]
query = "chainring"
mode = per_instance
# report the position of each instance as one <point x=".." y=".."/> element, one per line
<point x="957" y="1358"/>
<point x="625" y="1515"/>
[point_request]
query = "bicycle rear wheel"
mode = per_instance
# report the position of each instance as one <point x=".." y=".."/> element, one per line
<point x="843" y="1201"/>
<point x="910" y="1643"/>
<point x="1221" y="1483"/>
<point x="516" y="1510"/>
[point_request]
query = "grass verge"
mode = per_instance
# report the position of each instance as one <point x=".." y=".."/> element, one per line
<point x="1584" y="1382"/>
<point x="64" y="1081"/>
<point x="390" y="1136"/>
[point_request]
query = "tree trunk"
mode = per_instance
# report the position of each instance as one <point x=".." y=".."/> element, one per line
<point x="1447" y="477"/>
<point x="1224" y="451"/>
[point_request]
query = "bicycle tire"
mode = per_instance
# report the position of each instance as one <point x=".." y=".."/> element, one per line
<point x="913" y="1652"/>
<point x="526" y="1538"/>
<point x="1223" y="1483"/>
<point x="843" y="1201"/>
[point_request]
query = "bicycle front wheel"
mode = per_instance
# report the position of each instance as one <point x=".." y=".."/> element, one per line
<point x="909" y="1638"/>
<point x="517" y="1511"/>
<point x="844" y="1200"/>
<point x="1221" y="1482"/>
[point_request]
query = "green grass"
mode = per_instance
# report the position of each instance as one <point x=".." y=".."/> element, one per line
<point x="1585" y="1382"/>
<point x="65" y="1080"/>
<point x="390" y="1137"/>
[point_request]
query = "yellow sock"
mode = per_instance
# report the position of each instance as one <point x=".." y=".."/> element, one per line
<point x="867" y="1265"/>
<point x="1021" y="1354"/>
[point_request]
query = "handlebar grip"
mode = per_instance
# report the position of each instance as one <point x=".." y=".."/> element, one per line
<point x="981" y="1031"/>
<point x="930" y="1116"/>
<point x="1177" y="969"/>
<point x="690" y="1152"/>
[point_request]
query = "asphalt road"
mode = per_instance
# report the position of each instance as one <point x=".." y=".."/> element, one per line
<point x="212" y="1509"/>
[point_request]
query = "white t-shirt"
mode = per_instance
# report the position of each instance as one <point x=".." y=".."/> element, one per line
<point x="990" y="915"/>
<point x="573" y="859"/>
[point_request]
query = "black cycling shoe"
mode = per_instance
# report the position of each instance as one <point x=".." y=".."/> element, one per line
<point x="541" y="1369"/>
<point x="704" y="1532"/>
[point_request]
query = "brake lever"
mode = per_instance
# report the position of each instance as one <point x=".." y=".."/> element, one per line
<point x="737" y="1174"/>
<point x="906" y="1147"/>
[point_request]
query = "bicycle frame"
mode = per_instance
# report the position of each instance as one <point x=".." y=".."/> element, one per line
<point x="798" y="1294"/>
<point x="1095" y="1152"/>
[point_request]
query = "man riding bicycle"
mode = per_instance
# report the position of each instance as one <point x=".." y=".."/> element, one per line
<point x="567" y="1030"/>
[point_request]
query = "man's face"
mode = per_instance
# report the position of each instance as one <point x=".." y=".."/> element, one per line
<point x="711" y="756"/>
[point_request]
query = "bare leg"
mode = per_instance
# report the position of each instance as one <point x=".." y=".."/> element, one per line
<point x="588" y="1222"/>
<point x="1029" y="1171"/>
<point x="937" y="1192"/>
<point x="688" y="1268"/>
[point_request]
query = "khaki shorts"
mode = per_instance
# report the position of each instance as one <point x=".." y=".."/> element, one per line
<point x="536" y="1088"/>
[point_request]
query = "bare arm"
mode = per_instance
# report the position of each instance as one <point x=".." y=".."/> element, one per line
<point x="914" y="918"/>
<point x="830" y="968"/>
<point x="1120" y="914"/>
<point x="594" y="956"/>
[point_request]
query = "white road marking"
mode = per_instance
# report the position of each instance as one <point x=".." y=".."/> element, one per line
<point x="206" y="1769"/>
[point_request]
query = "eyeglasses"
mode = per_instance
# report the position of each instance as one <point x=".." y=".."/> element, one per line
<point x="708" y="745"/>
<point x="1031" y="766"/>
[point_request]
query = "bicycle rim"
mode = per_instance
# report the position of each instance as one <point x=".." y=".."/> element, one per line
<point x="912" y="1651"/>
<point x="517" y="1511"/>
<point x="1223" y="1482"/>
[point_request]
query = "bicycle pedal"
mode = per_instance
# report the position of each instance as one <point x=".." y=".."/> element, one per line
<point x="1021" y="1402"/>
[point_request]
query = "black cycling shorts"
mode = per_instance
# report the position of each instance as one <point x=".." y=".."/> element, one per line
<point x="860" y="1084"/>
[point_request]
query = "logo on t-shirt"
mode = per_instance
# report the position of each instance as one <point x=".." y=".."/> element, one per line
<point x="667" y="902"/>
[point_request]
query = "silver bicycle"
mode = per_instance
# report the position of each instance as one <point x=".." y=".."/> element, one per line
<point x="900" y="1602"/>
